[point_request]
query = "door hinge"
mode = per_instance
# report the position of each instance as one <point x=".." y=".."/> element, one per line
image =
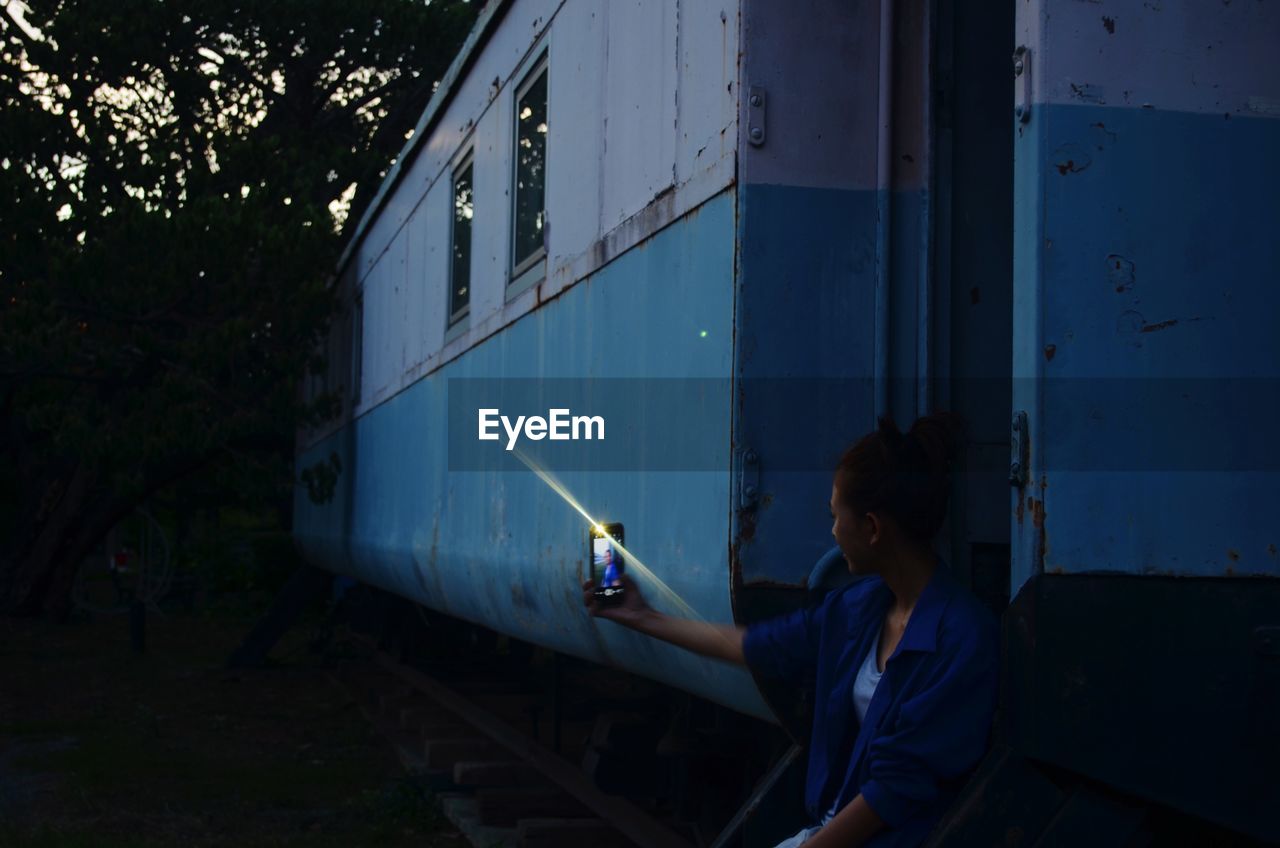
<point x="756" y="103"/>
<point x="1019" y="450"/>
<point x="748" y="478"/>
<point x="1022" y="84"/>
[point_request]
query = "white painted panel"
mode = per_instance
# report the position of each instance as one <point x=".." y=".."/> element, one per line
<point x="364" y="260"/>
<point x="370" y="373"/>
<point x="473" y="97"/>
<point x="667" y="60"/>
<point x="415" y="246"/>
<point x="368" y="337"/>
<point x="375" y="340"/>
<point x="490" y="239"/>
<point x="575" y="128"/>
<point x="1193" y="57"/>
<point x="404" y="325"/>
<point x="430" y="228"/>
<point x="707" y="101"/>
<point x="399" y="207"/>
<point x="439" y="209"/>
<point x="620" y="135"/>
<point x="818" y="63"/>
<point x="381" y="234"/>
<point x="367" y="299"/>
<point x="639" y="154"/>
<point x="387" y="373"/>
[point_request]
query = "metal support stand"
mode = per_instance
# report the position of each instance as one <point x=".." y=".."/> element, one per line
<point x="763" y="787"/>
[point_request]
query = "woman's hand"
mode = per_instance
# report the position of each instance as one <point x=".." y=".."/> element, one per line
<point x="629" y="613"/>
<point x="722" y="641"/>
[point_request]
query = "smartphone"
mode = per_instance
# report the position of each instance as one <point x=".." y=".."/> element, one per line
<point x="607" y="563"/>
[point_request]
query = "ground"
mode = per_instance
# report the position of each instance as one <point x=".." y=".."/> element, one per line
<point x="103" y="747"/>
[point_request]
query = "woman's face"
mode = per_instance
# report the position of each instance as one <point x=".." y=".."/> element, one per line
<point x="853" y="533"/>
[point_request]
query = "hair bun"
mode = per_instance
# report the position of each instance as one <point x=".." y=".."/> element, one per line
<point x="939" y="436"/>
<point x="905" y="475"/>
<point x="891" y="439"/>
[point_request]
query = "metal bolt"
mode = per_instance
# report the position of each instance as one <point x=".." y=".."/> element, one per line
<point x="750" y="457"/>
<point x="1017" y="68"/>
<point x="755" y="100"/>
<point x="757" y="134"/>
<point x="749" y="492"/>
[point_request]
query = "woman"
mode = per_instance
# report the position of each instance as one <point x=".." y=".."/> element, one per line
<point x="906" y="659"/>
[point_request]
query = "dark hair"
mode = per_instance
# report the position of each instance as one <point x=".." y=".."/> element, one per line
<point x="905" y="475"/>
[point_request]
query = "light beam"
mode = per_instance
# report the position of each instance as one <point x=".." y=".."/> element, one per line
<point x="632" y="560"/>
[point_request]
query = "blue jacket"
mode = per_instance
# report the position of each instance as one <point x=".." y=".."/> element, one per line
<point x="929" y="721"/>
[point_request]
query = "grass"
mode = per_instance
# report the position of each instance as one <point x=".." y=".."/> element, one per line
<point x="105" y="748"/>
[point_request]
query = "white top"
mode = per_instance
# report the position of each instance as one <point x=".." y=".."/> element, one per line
<point x="864" y="685"/>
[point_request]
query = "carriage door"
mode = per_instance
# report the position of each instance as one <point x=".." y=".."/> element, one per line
<point x="973" y="276"/>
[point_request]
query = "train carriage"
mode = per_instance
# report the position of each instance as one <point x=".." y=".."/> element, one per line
<point x="1054" y="217"/>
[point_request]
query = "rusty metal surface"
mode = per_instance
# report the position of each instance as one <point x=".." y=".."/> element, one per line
<point x="1144" y="304"/>
<point x="503" y="548"/>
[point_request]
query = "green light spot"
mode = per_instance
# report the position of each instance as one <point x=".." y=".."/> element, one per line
<point x="703" y="334"/>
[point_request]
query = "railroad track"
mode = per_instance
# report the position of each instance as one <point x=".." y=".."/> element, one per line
<point x="497" y="783"/>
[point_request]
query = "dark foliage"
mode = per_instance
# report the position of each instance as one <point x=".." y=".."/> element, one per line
<point x="167" y="171"/>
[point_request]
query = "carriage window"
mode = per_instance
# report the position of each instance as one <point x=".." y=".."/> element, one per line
<point x="460" y="253"/>
<point x="530" y="170"/>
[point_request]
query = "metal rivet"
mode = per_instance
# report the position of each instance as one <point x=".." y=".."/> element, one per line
<point x="756" y="133"/>
<point x="750" y="457"/>
<point x="749" y="491"/>
<point x="1017" y="68"/>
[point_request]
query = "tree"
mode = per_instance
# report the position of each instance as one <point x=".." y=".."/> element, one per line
<point x="174" y="181"/>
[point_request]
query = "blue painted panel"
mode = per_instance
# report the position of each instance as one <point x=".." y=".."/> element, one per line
<point x="805" y="324"/>
<point x="1028" y="362"/>
<point x="503" y="549"/>
<point x="1159" y="354"/>
<point x="908" y="253"/>
<point x="806" y="375"/>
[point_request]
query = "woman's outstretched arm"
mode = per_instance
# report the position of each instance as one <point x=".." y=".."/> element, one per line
<point x="721" y="641"/>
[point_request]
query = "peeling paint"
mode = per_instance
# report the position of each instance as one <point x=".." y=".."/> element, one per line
<point x="1101" y="136"/>
<point x="1071" y="159"/>
<point x="1263" y="105"/>
<point x="1120" y="273"/>
<point x="1037" y="513"/>
<point x="1087" y="93"/>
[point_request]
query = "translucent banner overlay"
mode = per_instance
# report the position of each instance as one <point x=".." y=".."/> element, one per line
<point x="678" y="424"/>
